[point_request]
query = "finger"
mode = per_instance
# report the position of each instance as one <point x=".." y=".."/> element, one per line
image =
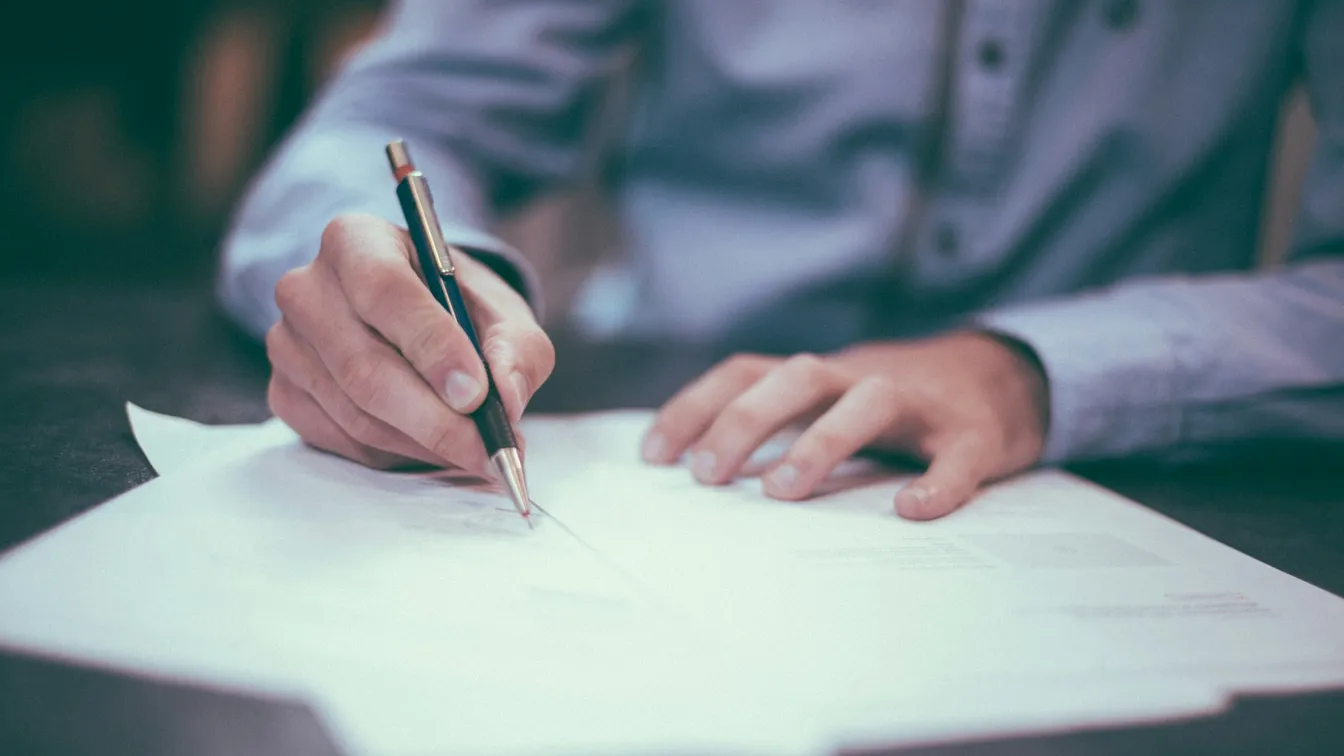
<point x="371" y="262"/>
<point x="796" y="386"/>
<point x="521" y="358"/>
<point x="954" y="475"/>
<point x="295" y="360"/>
<point x="685" y="416"/>
<point x="300" y="412"/>
<point x="376" y="377"/>
<point x="519" y="353"/>
<point x="866" y="412"/>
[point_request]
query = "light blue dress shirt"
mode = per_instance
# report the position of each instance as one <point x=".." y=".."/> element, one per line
<point x="795" y="175"/>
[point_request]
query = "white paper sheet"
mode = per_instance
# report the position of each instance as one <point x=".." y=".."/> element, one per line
<point x="406" y="610"/>
<point x="172" y="443"/>
<point x="1044" y="578"/>
<point x="652" y="615"/>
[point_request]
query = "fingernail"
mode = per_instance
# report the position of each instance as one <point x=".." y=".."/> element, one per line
<point x="911" y="500"/>
<point x="461" y="390"/>
<point x="702" y="466"/>
<point x="655" y="446"/>
<point x="784" y="478"/>
<point x="520" y="397"/>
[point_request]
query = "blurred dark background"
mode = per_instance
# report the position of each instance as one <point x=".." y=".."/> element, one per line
<point x="128" y="129"/>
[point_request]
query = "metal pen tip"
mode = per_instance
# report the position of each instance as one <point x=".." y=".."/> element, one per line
<point x="509" y="464"/>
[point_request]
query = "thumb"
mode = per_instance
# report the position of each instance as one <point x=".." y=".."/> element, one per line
<point x="953" y="476"/>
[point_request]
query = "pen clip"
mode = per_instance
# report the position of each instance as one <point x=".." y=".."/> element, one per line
<point x="418" y="205"/>
<point x="423" y="207"/>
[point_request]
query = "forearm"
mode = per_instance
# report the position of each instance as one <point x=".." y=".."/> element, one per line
<point x="1167" y="365"/>
<point x="326" y="170"/>
<point x="492" y="98"/>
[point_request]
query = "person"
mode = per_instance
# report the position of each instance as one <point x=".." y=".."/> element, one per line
<point x="989" y="234"/>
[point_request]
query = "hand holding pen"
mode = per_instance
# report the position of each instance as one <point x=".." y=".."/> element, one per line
<point x="366" y="363"/>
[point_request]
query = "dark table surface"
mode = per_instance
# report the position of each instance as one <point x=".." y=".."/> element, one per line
<point x="72" y="353"/>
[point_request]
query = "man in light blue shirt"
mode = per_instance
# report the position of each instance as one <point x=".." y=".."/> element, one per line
<point x="996" y="232"/>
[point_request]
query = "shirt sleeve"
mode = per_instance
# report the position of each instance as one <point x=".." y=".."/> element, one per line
<point x="493" y="97"/>
<point x="1183" y="366"/>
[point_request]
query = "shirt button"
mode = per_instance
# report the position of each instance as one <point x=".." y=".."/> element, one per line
<point x="1120" y="14"/>
<point x="945" y="240"/>
<point x="990" y="54"/>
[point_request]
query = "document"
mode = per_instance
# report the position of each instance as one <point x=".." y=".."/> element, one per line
<point x="172" y="443"/>
<point x="647" y="614"/>
<point x="416" y="615"/>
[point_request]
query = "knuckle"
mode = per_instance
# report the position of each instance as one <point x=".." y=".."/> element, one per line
<point x="538" y="351"/>
<point x="360" y="376"/>
<point x="341" y="409"/>
<point x="277" y="399"/>
<point x="743" y="416"/>
<point x="430" y="342"/>
<point x="443" y="441"/>
<point x="979" y="440"/>
<point x="822" y="442"/>
<point x="879" y="386"/>
<point x="881" y="392"/>
<point x="339" y="231"/>
<point x="289" y="290"/>
<point x="805" y="362"/>
<point x="448" y="442"/>
<point x="376" y="285"/>
<point x="364" y="429"/>
<point x="808" y="371"/>
<point x="695" y="410"/>
<point x="746" y="364"/>
<point x="274" y="342"/>
<point x="670" y="422"/>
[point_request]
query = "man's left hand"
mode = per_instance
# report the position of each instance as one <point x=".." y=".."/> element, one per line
<point x="969" y="404"/>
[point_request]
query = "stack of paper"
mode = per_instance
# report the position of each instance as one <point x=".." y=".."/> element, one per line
<point x="646" y="613"/>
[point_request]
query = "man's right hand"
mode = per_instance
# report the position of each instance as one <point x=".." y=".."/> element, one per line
<point x="366" y="364"/>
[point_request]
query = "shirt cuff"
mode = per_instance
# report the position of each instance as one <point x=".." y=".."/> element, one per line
<point x="461" y="218"/>
<point x="494" y="253"/>
<point x="321" y="175"/>
<point x="1112" y="373"/>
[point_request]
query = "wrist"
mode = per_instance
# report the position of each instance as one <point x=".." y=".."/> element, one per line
<point x="1025" y="366"/>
